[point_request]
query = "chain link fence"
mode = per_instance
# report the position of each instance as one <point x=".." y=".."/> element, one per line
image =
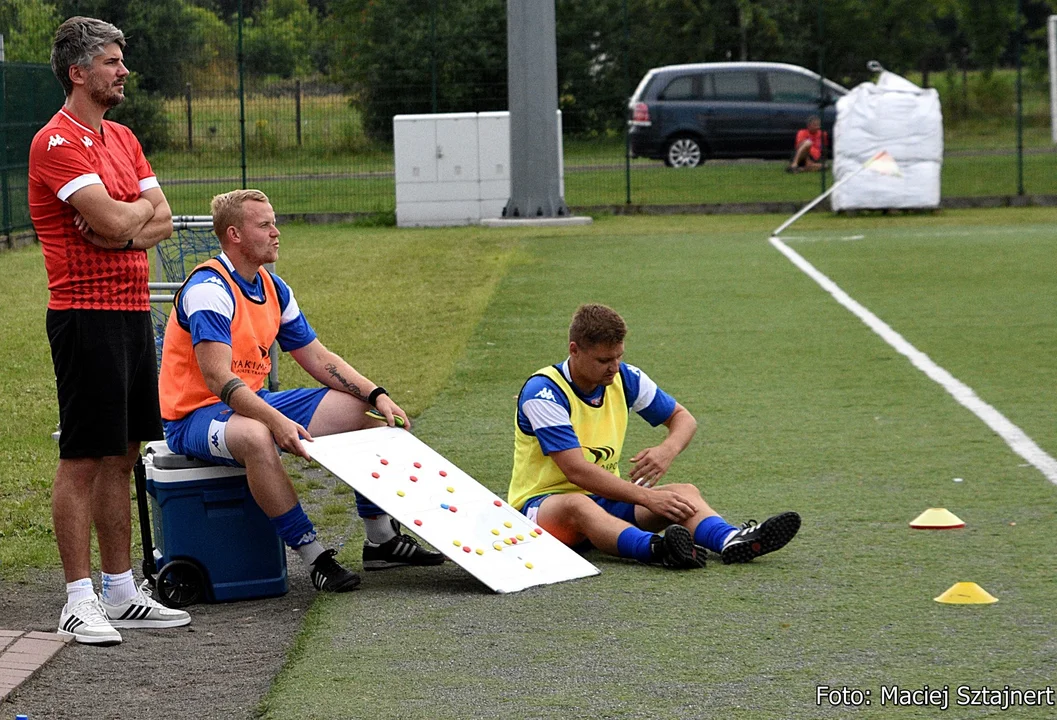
<point x="323" y="147"/>
<point x="29" y="96"/>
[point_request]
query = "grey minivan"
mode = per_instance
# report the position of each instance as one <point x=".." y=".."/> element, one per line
<point x="684" y="114"/>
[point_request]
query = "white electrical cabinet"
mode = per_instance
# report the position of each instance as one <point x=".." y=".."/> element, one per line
<point x="454" y="168"/>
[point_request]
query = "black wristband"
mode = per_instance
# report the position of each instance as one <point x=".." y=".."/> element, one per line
<point x="229" y="389"/>
<point x="373" y="397"/>
<point x="128" y="245"/>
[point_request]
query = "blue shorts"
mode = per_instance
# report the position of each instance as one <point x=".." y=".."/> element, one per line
<point x="623" y="510"/>
<point x="201" y="434"/>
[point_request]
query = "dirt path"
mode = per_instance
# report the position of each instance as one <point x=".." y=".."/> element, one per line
<point x="220" y="666"/>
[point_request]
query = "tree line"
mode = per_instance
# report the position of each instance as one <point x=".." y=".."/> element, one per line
<point x="396" y="56"/>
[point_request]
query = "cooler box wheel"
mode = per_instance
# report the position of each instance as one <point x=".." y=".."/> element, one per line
<point x="180" y="583"/>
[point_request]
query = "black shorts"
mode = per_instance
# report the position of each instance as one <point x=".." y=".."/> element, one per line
<point x="106" y="373"/>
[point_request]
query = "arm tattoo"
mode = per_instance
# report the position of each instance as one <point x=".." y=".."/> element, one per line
<point x="229" y="388"/>
<point x="351" y="388"/>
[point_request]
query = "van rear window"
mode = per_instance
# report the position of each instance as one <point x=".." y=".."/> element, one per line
<point x="681" y="88"/>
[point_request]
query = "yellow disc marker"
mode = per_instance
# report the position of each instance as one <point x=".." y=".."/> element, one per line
<point x="497" y="546"/>
<point x="456" y="543"/>
<point x="400" y="493"/>
<point x="528" y="565"/>
<point x="508" y="524"/>
<point x="494" y="531"/>
<point x="966" y="593"/>
<point x="937" y="519"/>
<point x="533" y="534"/>
<point x="451" y="489"/>
<point x="479" y="551"/>
<point x="506" y="541"/>
<point x="520" y="537"/>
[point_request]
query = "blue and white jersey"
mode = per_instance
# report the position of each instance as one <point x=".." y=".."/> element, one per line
<point x="207" y="306"/>
<point x="543" y="409"/>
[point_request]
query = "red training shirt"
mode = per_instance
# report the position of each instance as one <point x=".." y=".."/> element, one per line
<point x="65" y="156"/>
<point x="817" y="138"/>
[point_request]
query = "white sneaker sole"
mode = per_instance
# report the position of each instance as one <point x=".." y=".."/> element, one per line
<point x="104" y="640"/>
<point x="147" y="624"/>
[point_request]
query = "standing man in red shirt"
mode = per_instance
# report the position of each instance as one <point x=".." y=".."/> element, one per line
<point x="97" y="207"/>
<point x="810" y="143"/>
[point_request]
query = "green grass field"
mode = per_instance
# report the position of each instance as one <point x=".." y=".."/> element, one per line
<point x="800" y="407"/>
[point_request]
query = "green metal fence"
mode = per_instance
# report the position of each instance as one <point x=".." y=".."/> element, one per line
<point x="324" y="146"/>
<point x="304" y="146"/>
<point x="29" y="96"/>
<point x="320" y="148"/>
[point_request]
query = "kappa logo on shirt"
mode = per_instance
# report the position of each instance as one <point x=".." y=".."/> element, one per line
<point x="56" y="140"/>
<point x="87" y="141"/>
<point x="214" y="279"/>
<point x="546" y="394"/>
<point x="601" y="454"/>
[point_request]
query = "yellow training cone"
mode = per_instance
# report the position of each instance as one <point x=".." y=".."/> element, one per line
<point x="937" y="519"/>
<point x="966" y="593"/>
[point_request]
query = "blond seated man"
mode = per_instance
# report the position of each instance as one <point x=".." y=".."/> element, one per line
<point x="214" y="364"/>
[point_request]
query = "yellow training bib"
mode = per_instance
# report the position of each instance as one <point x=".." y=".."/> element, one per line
<point x="600" y="431"/>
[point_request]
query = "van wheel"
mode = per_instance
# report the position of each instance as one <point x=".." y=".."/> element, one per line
<point x="683" y="152"/>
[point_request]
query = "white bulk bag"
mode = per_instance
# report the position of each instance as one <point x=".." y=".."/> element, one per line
<point x="894" y="115"/>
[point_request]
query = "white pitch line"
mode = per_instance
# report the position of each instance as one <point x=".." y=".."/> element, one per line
<point x="824" y="238"/>
<point x="1016" y="438"/>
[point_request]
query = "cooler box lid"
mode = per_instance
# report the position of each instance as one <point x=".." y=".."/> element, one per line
<point x="165" y="459"/>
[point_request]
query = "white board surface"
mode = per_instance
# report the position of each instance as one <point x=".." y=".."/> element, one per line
<point x="448" y="509"/>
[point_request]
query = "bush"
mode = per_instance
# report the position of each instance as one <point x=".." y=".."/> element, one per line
<point x="264" y="139"/>
<point x="1036" y="68"/>
<point x="351" y="137"/>
<point x="145" y="114"/>
<point x="991" y="96"/>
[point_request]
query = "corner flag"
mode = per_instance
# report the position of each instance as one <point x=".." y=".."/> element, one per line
<point x="884" y="164"/>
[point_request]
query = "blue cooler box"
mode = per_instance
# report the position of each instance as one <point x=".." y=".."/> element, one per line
<point x="204" y="514"/>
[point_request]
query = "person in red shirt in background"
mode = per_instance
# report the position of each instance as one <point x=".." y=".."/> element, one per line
<point x="810" y="142"/>
<point x="96" y="206"/>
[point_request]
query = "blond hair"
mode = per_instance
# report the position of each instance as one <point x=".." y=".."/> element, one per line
<point x="227" y="209"/>
<point x="597" y="325"/>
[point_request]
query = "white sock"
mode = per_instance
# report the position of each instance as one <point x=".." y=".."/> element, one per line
<point x="79" y="590"/>
<point x="118" y="588"/>
<point x="309" y="551"/>
<point x="731" y="534"/>
<point x="379" y="529"/>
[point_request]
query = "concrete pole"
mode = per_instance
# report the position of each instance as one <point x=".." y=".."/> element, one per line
<point x="532" y="89"/>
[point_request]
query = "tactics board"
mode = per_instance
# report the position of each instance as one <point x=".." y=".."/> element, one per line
<point x="448" y="509"/>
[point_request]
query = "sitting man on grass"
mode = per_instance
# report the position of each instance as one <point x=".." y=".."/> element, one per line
<point x="810" y="142"/>
<point x="568" y="437"/>
<point x="214" y="364"/>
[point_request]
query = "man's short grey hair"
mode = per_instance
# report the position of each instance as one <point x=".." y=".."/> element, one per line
<point x="77" y="42"/>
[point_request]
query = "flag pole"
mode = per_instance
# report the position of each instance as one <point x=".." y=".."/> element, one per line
<point x="825" y="195"/>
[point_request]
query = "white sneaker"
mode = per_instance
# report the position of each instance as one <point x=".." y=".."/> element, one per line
<point x="143" y="611"/>
<point x="86" y="622"/>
